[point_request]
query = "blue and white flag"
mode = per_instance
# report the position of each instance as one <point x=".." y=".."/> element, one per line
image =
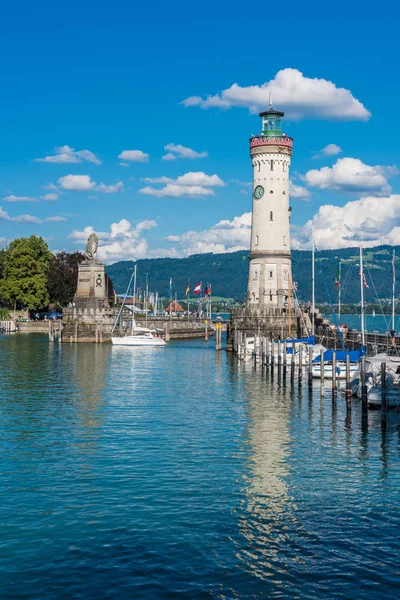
<point x="170" y="288"/>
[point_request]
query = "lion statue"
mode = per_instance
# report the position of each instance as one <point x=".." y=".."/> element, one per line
<point x="91" y="246"/>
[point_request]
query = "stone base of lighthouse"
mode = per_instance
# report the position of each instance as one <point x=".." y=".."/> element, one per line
<point x="269" y="277"/>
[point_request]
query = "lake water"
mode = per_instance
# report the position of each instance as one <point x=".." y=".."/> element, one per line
<point x="178" y="473"/>
<point x="379" y="323"/>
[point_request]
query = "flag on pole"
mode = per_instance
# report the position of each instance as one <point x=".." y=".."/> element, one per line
<point x="197" y="289"/>
<point x="170" y="288"/>
<point x="187" y="288"/>
<point x="207" y="291"/>
<point x="364" y="280"/>
<point x="337" y="277"/>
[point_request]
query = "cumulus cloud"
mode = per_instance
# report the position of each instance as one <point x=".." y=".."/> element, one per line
<point x="66" y="154"/>
<point x="329" y="150"/>
<point x="224" y="236"/>
<point x="84" y="183"/>
<point x="299" y="96"/>
<point x="189" y="184"/>
<point x="175" y="151"/>
<point x="351" y="175"/>
<point x="299" y="192"/>
<point x="124" y="241"/>
<point x="133" y="156"/>
<point x="49" y="197"/>
<point x="4" y="216"/>
<point x="371" y="221"/>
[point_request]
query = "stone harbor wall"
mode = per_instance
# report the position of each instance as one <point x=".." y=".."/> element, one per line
<point x="94" y="325"/>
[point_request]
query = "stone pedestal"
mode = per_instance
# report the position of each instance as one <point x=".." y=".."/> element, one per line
<point x="91" y="290"/>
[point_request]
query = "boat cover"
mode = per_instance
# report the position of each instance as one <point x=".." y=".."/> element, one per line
<point x="308" y="340"/>
<point x="341" y="355"/>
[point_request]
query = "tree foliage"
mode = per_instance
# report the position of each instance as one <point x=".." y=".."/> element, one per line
<point x="24" y="281"/>
<point x="63" y="276"/>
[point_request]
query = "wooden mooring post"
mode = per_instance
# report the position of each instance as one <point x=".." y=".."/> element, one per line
<point x="322" y="372"/>
<point x="292" y="363"/>
<point x="272" y="354"/>
<point x="284" y="359"/>
<point x="310" y="359"/>
<point x="300" y="363"/>
<point x="51" y="330"/>
<point x="348" y="384"/>
<point x="334" y="385"/>
<point x="383" y="391"/>
<point x="364" y="391"/>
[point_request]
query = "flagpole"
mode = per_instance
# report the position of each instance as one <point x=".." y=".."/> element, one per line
<point x="188" y="300"/>
<point x="170" y="300"/>
<point x="340" y="289"/>
<point x="362" y="298"/>
<point x="313" y="281"/>
<point x="393" y="285"/>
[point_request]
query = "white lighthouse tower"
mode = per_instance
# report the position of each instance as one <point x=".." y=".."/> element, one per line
<point x="270" y="258"/>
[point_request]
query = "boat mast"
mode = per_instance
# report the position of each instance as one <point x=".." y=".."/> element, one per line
<point x="134" y="299"/>
<point x="340" y="289"/>
<point x="313" y="282"/>
<point x="393" y="285"/>
<point x="362" y="298"/>
<point x="289" y="308"/>
<point x="124" y="300"/>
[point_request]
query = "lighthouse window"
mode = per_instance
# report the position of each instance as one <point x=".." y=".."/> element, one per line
<point x="271" y="274"/>
<point x="270" y="297"/>
<point x="284" y="240"/>
<point x="271" y="216"/>
<point x="272" y="165"/>
<point x="284" y="167"/>
<point x="256" y="240"/>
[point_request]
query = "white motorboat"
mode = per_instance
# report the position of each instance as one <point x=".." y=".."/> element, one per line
<point x="374" y="384"/>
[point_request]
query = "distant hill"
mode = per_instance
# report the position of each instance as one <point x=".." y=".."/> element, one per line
<point x="228" y="273"/>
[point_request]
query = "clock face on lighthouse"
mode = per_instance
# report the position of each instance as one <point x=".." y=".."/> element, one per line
<point x="259" y="192"/>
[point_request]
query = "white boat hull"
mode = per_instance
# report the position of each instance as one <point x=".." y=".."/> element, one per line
<point x="340" y="370"/>
<point x="137" y="340"/>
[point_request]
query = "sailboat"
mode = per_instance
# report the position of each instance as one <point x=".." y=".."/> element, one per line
<point x="139" y="336"/>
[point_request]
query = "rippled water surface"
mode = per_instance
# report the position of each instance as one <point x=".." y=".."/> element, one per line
<point x="178" y="473"/>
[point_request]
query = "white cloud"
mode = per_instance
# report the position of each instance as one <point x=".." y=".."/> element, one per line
<point x="4" y="216"/>
<point x="175" y="151"/>
<point x="134" y="156"/>
<point x="172" y="190"/>
<point x="110" y="189"/>
<point x="224" y="236"/>
<point x="124" y="241"/>
<point x="77" y="182"/>
<point x="299" y="96"/>
<point x="66" y="154"/>
<point x="82" y="183"/>
<point x="49" y="186"/>
<point x="299" y="192"/>
<point x="49" y="197"/>
<point x="370" y="220"/>
<point x="123" y="164"/>
<point x="13" y="198"/>
<point x="189" y="184"/>
<point x="351" y="175"/>
<point x="329" y="150"/>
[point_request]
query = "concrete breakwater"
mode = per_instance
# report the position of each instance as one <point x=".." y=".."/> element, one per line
<point x="95" y="325"/>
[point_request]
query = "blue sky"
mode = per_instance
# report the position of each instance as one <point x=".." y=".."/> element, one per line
<point x="109" y="78"/>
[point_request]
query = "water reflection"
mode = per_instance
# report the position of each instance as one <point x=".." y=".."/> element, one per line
<point x="268" y="512"/>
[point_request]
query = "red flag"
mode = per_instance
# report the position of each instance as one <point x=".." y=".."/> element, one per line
<point x="197" y="289"/>
<point x="207" y="291"/>
<point x="364" y="280"/>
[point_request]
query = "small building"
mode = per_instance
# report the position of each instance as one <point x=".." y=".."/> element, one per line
<point x="174" y="307"/>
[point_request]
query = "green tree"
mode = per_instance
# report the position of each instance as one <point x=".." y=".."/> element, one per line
<point x="63" y="277"/>
<point x="39" y="248"/>
<point x="24" y="281"/>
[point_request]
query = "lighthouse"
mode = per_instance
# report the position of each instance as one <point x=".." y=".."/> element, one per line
<point x="270" y="258"/>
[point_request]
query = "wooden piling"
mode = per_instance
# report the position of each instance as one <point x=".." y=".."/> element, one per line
<point x="348" y="384"/>
<point x="322" y="372"/>
<point x="300" y="363"/>
<point x="51" y="330"/>
<point x="218" y="336"/>
<point x="383" y="391"/>
<point x="364" y="392"/>
<point x="206" y="331"/>
<point x="334" y="385"/>
<point x="272" y="354"/>
<point x="292" y="362"/>
<point x="279" y="354"/>
<point x="310" y="359"/>
<point x="284" y="359"/>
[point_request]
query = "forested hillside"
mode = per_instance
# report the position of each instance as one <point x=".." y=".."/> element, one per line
<point x="228" y="273"/>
